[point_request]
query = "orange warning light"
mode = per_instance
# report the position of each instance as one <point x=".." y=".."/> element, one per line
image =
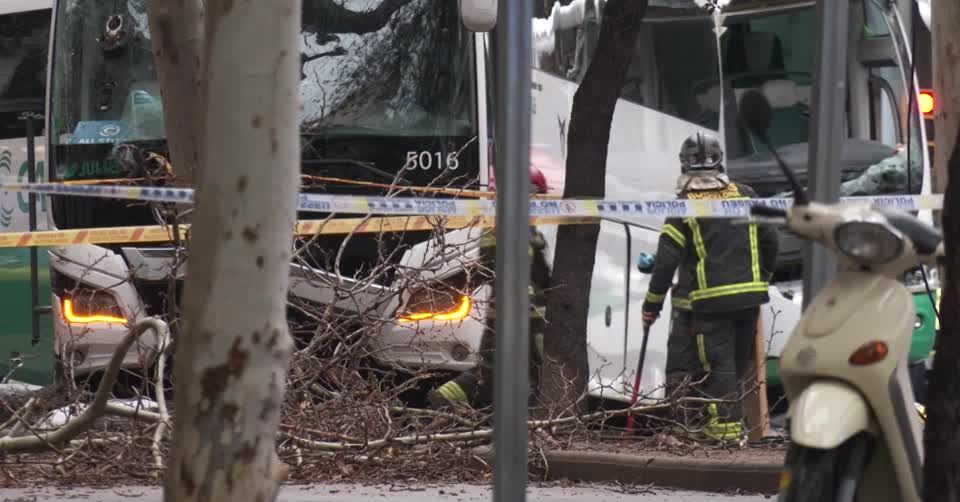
<point x="927" y="103"/>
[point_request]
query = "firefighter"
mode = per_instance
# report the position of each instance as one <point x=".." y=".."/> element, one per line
<point x="728" y="266"/>
<point x="681" y="351"/>
<point x="474" y="387"/>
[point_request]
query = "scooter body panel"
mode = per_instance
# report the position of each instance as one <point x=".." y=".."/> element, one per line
<point x="827" y="413"/>
<point x="852" y="310"/>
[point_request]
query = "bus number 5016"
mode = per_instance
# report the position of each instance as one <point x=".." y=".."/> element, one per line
<point x="431" y="160"/>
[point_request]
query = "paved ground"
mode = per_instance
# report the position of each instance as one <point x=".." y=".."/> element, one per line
<point x="353" y="493"/>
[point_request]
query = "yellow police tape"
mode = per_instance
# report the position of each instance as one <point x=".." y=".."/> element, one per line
<point x="157" y="233"/>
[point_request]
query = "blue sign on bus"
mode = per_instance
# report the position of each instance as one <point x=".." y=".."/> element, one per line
<point x="94" y="132"/>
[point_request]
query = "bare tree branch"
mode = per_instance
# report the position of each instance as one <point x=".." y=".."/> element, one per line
<point x="97" y="408"/>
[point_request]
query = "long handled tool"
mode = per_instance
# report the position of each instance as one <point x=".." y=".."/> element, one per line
<point x="636" y="380"/>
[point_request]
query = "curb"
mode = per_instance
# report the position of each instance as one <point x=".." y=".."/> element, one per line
<point x="684" y="474"/>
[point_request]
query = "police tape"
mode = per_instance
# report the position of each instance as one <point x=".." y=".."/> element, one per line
<point x="418" y="206"/>
<point x="305" y="228"/>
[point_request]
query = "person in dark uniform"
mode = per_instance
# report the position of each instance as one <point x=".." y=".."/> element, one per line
<point x="474" y="387"/>
<point x="728" y="266"/>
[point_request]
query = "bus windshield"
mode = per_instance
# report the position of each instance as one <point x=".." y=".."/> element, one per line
<point x="397" y="75"/>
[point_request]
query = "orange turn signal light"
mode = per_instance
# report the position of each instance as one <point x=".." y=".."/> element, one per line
<point x="869" y="353"/>
<point x="460" y="312"/>
<point x="73" y="318"/>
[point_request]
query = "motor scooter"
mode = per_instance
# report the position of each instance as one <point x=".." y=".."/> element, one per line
<point x="854" y="430"/>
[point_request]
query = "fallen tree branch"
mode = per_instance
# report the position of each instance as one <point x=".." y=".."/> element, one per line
<point x="16" y="418"/>
<point x="460" y="436"/>
<point x="134" y="413"/>
<point x="82" y="422"/>
<point x="161" y="402"/>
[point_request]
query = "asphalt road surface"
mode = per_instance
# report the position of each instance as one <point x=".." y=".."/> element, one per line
<point x="422" y="493"/>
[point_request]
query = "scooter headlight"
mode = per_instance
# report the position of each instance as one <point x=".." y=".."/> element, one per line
<point x="871" y="243"/>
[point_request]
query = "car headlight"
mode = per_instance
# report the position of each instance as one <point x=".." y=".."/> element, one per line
<point x="446" y="300"/>
<point x="84" y="306"/>
<point x="871" y="243"/>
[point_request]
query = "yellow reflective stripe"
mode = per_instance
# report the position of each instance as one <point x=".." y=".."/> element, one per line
<point x="540" y="312"/>
<point x="732" y="289"/>
<point x="680" y="303"/>
<point x="754" y="253"/>
<point x="451" y="391"/>
<point x="712" y="410"/>
<point x="701" y="253"/>
<point x="725" y="427"/>
<point x="655" y="298"/>
<point x="730" y="431"/>
<point x="784" y="480"/>
<point x="702" y="355"/>
<point x="672" y="232"/>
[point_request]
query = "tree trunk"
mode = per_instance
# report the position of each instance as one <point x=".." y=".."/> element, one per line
<point x="942" y="431"/>
<point x="232" y="360"/>
<point x="176" y="31"/>
<point x="566" y="370"/>
<point x="946" y="57"/>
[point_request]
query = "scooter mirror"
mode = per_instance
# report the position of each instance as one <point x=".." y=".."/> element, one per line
<point x="645" y="262"/>
<point x="755" y="113"/>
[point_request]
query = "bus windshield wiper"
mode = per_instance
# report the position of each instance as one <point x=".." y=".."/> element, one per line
<point x="366" y="166"/>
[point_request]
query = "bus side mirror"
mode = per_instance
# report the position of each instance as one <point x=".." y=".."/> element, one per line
<point x="645" y="262"/>
<point x="479" y="15"/>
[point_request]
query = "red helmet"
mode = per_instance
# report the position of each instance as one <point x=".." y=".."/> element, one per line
<point x="538" y="182"/>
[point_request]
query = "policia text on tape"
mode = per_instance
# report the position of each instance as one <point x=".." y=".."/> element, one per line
<point x="416" y="206"/>
<point x="407" y="214"/>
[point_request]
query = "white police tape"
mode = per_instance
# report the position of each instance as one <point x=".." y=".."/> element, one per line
<point x="354" y="204"/>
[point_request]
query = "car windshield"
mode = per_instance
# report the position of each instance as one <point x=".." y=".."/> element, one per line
<point x="398" y="71"/>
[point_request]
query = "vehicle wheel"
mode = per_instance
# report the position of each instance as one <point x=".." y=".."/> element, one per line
<point x="814" y="475"/>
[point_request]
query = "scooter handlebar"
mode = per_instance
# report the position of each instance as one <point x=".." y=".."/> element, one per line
<point x="767" y="211"/>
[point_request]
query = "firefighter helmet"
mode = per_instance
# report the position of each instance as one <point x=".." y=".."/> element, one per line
<point x="701" y="152"/>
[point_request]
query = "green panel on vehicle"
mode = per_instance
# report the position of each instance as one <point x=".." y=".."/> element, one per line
<point x="15" y="331"/>
<point x="925" y="329"/>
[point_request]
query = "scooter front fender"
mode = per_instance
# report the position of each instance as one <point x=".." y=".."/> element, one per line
<point x="827" y="413"/>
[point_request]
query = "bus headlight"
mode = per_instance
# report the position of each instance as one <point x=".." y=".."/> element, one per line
<point x="871" y="243"/>
<point x="85" y="306"/>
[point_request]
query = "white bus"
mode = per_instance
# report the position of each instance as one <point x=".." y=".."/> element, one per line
<point x="25" y="353"/>
<point x="672" y="90"/>
<point x="392" y="87"/>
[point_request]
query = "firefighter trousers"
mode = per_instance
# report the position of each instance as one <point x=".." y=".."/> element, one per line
<point x="683" y="366"/>
<point x="716" y="348"/>
<point x="475" y="386"/>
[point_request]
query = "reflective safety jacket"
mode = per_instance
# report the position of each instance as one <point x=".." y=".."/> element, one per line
<point x="680" y="294"/>
<point x="539" y="274"/>
<point x="723" y="266"/>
